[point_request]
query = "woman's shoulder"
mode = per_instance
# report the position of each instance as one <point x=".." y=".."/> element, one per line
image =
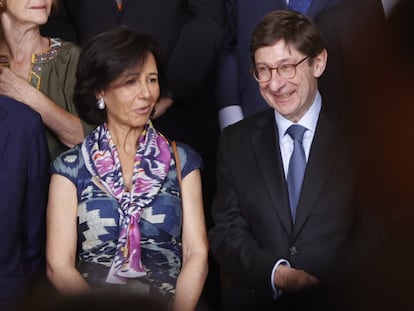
<point x="190" y="159"/>
<point x="67" y="45"/>
<point x="58" y="50"/>
<point x="68" y="163"/>
<point x="68" y="50"/>
<point x="186" y="150"/>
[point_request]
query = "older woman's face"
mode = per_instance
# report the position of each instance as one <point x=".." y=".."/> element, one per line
<point x="131" y="98"/>
<point x="29" y="11"/>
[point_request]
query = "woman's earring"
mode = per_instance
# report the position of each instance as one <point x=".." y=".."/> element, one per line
<point x="100" y="104"/>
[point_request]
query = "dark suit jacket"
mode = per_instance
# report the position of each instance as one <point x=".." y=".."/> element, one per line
<point x="354" y="54"/>
<point x="235" y="84"/>
<point x="253" y="227"/>
<point x="24" y="177"/>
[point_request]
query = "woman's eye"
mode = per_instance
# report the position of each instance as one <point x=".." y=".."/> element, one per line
<point x="130" y="81"/>
<point x="153" y="79"/>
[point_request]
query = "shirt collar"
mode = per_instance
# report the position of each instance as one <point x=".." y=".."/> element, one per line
<point x="309" y="120"/>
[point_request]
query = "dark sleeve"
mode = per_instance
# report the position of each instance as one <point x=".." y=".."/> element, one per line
<point x="35" y="201"/>
<point x="190" y="160"/>
<point x="232" y="243"/>
<point x="194" y="56"/>
<point x="332" y="83"/>
<point x="68" y="164"/>
<point x="226" y="92"/>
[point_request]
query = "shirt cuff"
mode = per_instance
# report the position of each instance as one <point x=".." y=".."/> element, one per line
<point x="277" y="292"/>
<point x="229" y="115"/>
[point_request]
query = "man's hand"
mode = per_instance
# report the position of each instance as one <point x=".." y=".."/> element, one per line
<point x="290" y="279"/>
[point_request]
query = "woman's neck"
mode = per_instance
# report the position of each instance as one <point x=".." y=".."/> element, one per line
<point x="125" y="138"/>
<point x="19" y="42"/>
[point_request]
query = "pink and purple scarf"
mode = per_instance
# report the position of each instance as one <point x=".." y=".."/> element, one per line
<point x="152" y="163"/>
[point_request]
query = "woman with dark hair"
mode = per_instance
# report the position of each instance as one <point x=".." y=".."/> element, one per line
<point x="117" y="217"/>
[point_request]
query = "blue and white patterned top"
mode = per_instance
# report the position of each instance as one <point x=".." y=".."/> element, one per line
<point x="98" y="218"/>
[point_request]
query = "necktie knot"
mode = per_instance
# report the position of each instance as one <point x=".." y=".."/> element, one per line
<point x="296" y="131"/>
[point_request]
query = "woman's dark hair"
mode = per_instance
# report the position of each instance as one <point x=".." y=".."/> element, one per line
<point x="294" y="28"/>
<point x="102" y="61"/>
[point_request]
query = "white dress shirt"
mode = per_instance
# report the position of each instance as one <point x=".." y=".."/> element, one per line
<point x="309" y="121"/>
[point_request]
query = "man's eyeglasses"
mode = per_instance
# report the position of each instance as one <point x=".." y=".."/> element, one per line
<point x="263" y="73"/>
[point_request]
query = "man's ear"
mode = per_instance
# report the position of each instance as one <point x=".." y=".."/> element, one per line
<point x="319" y="63"/>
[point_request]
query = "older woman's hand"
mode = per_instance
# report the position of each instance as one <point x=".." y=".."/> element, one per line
<point x="13" y="86"/>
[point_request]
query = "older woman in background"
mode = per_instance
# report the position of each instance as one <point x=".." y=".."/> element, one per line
<point x="39" y="71"/>
<point x="117" y="218"/>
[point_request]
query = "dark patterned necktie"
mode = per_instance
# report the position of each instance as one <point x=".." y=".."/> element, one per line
<point x="297" y="167"/>
<point x="301" y="6"/>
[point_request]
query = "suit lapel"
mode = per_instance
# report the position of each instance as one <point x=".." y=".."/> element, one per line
<point x="268" y="159"/>
<point x="326" y="146"/>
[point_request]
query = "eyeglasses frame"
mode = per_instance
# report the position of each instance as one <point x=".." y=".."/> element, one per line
<point x="252" y="71"/>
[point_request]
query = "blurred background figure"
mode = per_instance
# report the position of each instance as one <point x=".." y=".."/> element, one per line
<point x="24" y="178"/>
<point x="141" y="227"/>
<point x="352" y="48"/>
<point x="39" y="71"/>
<point x="237" y="93"/>
<point x="370" y="71"/>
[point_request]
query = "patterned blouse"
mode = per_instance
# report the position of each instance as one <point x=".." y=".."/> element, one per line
<point x="98" y="217"/>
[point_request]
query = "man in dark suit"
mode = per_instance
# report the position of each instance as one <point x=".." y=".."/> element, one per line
<point x="236" y="91"/>
<point x="24" y="177"/>
<point x="273" y="252"/>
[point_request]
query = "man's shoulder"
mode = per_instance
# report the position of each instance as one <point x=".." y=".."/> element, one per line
<point x="239" y="134"/>
<point x="256" y="120"/>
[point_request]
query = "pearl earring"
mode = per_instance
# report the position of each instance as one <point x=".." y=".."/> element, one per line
<point x="100" y="104"/>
